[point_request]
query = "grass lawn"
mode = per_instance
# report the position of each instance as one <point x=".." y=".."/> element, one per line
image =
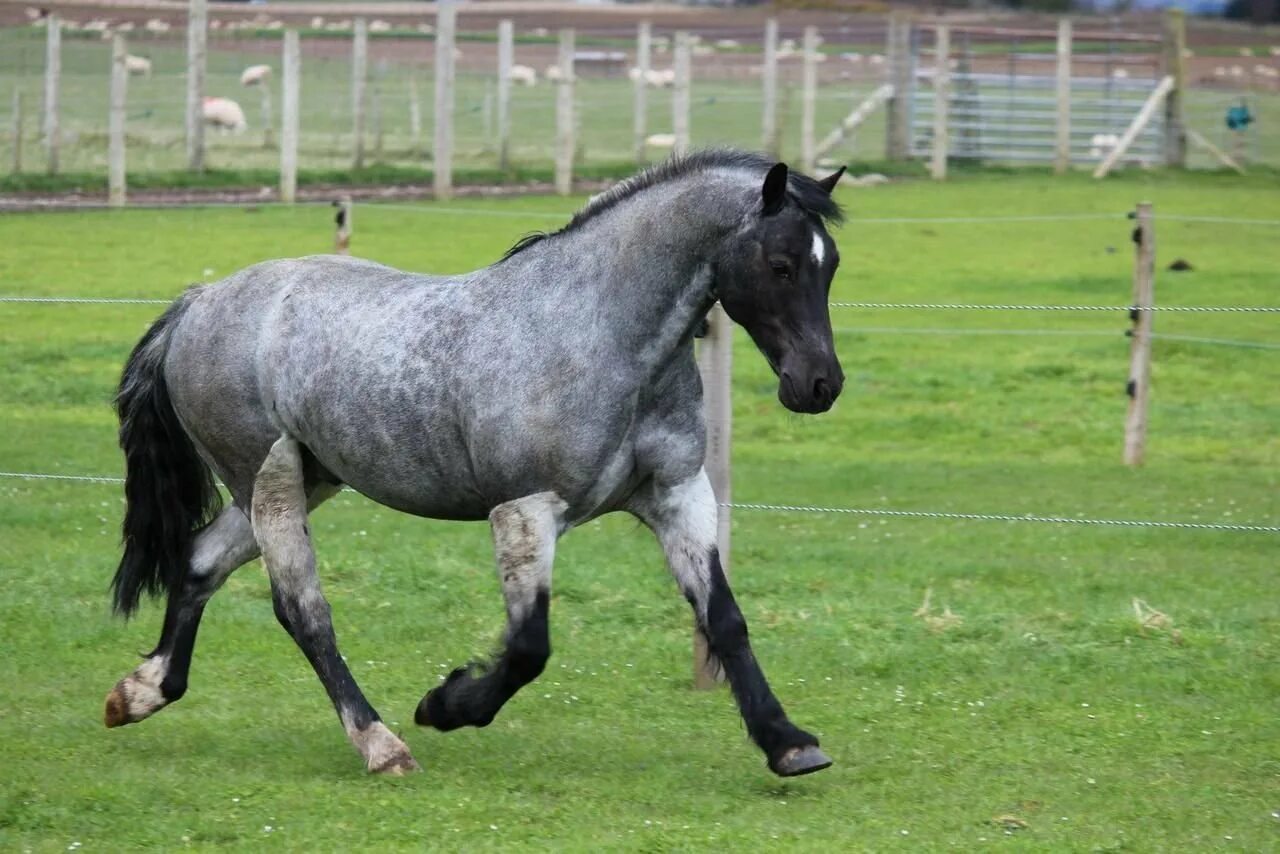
<point x="1042" y="716"/>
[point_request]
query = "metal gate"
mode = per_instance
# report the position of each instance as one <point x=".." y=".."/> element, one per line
<point x="1003" y="117"/>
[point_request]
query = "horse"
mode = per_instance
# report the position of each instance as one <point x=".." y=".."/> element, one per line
<point x="551" y="387"/>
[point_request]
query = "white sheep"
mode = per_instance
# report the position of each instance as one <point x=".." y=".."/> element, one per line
<point x="661" y="140"/>
<point x="379" y="26"/>
<point x="137" y="65"/>
<point x="552" y="73"/>
<point x="1119" y="73"/>
<point x="155" y="25"/>
<point x="225" y="115"/>
<point x="254" y="74"/>
<point x="727" y="44"/>
<point x="523" y="75"/>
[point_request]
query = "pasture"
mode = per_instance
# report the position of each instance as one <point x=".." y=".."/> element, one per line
<point x="1026" y="706"/>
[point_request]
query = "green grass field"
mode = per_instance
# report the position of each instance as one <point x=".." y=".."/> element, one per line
<point x="1043" y="716"/>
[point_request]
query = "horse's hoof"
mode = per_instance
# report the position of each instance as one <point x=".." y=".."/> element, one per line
<point x="397" y="766"/>
<point x="799" y="761"/>
<point x="116" y="712"/>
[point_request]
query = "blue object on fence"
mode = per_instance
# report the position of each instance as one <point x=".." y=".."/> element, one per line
<point x="1239" y="117"/>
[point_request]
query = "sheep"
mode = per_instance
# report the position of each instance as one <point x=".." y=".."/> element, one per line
<point x="125" y="27"/>
<point x="379" y="26"/>
<point x="553" y="74"/>
<point x="523" y="74"/>
<point x="1119" y="73"/>
<point x="727" y="44"/>
<point x="155" y="25"/>
<point x="137" y="65"/>
<point x="661" y="140"/>
<point x="225" y="115"/>
<point x="254" y="74"/>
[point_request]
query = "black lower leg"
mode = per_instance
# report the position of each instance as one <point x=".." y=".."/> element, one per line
<point x="726" y="632"/>
<point x="312" y="629"/>
<point x="178" y="639"/>
<point x="472" y="695"/>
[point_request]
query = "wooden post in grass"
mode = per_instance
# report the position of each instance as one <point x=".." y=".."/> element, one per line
<point x="415" y="113"/>
<point x="359" y="82"/>
<point x="506" y="58"/>
<point x="769" y="89"/>
<point x="52" y="85"/>
<point x="115" y="123"/>
<point x="15" y="165"/>
<point x="682" y="65"/>
<point x="941" y="101"/>
<point x="564" y="115"/>
<point x="640" y="88"/>
<point x="442" y="148"/>
<point x="809" y="99"/>
<point x="289" y="96"/>
<point x="898" y="58"/>
<point x="715" y="363"/>
<point x="1175" y="66"/>
<point x="343" y="221"/>
<point x="1139" y="122"/>
<point x="1139" y="386"/>
<point x="197" y="44"/>
<point x="1062" y="138"/>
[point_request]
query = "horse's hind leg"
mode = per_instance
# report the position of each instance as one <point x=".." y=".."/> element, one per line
<point x="280" y="526"/>
<point x="524" y="538"/>
<point x="225" y="545"/>
<point x="684" y="518"/>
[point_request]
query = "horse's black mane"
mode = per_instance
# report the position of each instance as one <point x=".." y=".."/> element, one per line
<point x="803" y="190"/>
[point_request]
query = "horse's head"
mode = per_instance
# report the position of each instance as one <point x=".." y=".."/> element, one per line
<point x="773" y="279"/>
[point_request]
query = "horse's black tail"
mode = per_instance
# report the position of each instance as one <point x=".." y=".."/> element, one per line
<point x="169" y="490"/>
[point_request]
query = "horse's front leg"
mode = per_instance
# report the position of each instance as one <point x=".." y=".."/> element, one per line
<point x="524" y="539"/>
<point x="684" y="518"/>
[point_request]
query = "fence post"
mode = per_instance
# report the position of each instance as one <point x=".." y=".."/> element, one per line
<point x="716" y="367"/>
<point x="442" y="150"/>
<point x="769" y="84"/>
<point x="52" y="85"/>
<point x="415" y="112"/>
<point x="1062" y="143"/>
<point x="808" y="151"/>
<point x="289" y="96"/>
<point x="375" y="115"/>
<point x="115" y="124"/>
<point x="1175" y="66"/>
<point x="1144" y="266"/>
<point x="564" y="115"/>
<point x="680" y="93"/>
<point x="359" y="81"/>
<point x="941" y="100"/>
<point x="898" y="118"/>
<point x="640" y="89"/>
<point x="16" y="165"/>
<point x="268" y="119"/>
<point x="197" y="35"/>
<point x="506" y="58"/>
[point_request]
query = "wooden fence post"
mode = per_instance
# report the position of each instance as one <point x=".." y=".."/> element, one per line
<point x="640" y="89"/>
<point x="682" y="65"/>
<point x="716" y="366"/>
<point x="290" y="94"/>
<point x="359" y="82"/>
<point x="1062" y="140"/>
<point x="1135" y="127"/>
<point x="442" y="150"/>
<point x="415" y="113"/>
<point x="375" y="116"/>
<point x="345" y="226"/>
<point x="851" y="122"/>
<point x="564" y="115"/>
<point x="809" y="98"/>
<point x="115" y="123"/>
<point x="901" y="74"/>
<point x="52" y="86"/>
<point x="941" y="101"/>
<point x="506" y="58"/>
<point x="1175" y="66"/>
<point x="197" y="37"/>
<point x="769" y="89"/>
<point x="1144" y="266"/>
<point x="16" y="164"/>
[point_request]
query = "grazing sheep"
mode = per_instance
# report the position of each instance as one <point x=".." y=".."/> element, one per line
<point x="155" y="25"/>
<point x="254" y="74"/>
<point x="661" y="140"/>
<point x="727" y="44"/>
<point x="379" y="26"/>
<point x="1119" y="73"/>
<point x="1102" y="143"/>
<point x="225" y="115"/>
<point x="137" y="65"/>
<point x="523" y="75"/>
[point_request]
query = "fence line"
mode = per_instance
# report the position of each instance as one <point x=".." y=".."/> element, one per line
<point x="1061" y="333"/>
<point x="845" y="511"/>
<point x="961" y="306"/>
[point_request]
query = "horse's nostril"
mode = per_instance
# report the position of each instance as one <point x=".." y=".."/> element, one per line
<point x="821" y="390"/>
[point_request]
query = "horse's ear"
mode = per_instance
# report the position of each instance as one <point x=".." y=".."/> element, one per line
<point x="774" y="191"/>
<point x="829" y="183"/>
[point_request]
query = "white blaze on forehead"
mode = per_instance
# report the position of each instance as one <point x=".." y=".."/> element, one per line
<point x="819" y="249"/>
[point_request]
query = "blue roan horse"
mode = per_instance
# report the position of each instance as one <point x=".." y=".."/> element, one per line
<point x="543" y="391"/>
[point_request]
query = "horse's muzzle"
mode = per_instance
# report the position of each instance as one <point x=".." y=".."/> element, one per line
<point x="810" y="391"/>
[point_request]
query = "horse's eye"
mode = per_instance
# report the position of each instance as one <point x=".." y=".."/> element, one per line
<point x="780" y="268"/>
